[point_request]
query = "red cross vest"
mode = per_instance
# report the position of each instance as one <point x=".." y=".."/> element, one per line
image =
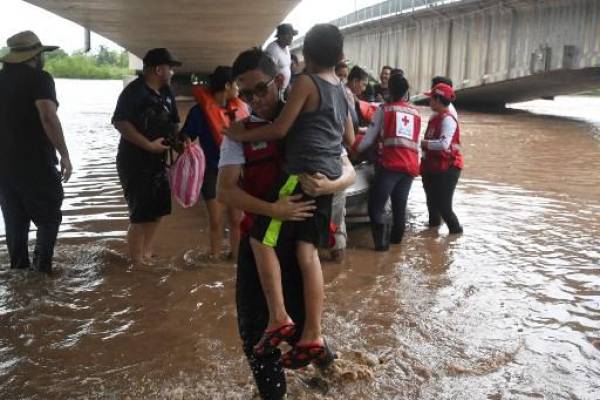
<point x="435" y="161"/>
<point x="262" y="169"/>
<point x="400" y="138"/>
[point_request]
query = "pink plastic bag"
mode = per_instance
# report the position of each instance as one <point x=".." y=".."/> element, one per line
<point x="187" y="174"/>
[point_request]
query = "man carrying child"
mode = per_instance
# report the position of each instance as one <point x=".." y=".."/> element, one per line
<point x="321" y="109"/>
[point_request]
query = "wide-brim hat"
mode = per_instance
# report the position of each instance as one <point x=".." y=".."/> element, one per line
<point x="286" y="29"/>
<point x="23" y="47"/>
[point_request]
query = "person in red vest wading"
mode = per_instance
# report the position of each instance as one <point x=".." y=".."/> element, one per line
<point x="397" y="125"/>
<point x="248" y="171"/>
<point x="218" y="105"/>
<point x="442" y="158"/>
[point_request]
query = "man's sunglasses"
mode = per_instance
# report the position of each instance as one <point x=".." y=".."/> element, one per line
<point x="260" y="90"/>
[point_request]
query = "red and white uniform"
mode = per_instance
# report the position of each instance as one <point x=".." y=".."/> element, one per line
<point x="442" y="144"/>
<point x="397" y="127"/>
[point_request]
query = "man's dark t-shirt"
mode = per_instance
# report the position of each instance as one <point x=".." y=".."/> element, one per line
<point x="196" y="126"/>
<point x="383" y="92"/>
<point x="24" y="147"/>
<point x="154" y="115"/>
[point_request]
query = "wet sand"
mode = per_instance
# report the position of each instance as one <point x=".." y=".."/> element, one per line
<point x="509" y="310"/>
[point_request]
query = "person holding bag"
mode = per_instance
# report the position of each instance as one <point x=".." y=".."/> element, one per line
<point x="218" y="106"/>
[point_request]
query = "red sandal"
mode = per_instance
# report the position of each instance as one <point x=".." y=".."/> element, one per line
<point x="302" y="355"/>
<point x="272" y="338"/>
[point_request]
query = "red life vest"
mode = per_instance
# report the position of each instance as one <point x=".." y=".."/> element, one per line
<point x="400" y="138"/>
<point x="367" y="110"/>
<point x="435" y="161"/>
<point x="261" y="171"/>
<point x="219" y="117"/>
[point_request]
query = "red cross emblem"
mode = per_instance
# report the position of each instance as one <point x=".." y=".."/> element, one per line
<point x="405" y="120"/>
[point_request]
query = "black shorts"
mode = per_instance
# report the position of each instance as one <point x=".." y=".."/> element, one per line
<point x="209" y="185"/>
<point x="147" y="193"/>
<point x="313" y="230"/>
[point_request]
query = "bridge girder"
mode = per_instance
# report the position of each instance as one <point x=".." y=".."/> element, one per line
<point x="202" y="33"/>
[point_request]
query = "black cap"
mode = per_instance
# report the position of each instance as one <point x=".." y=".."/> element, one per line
<point x="220" y="77"/>
<point x="286" y="29"/>
<point x="160" y="56"/>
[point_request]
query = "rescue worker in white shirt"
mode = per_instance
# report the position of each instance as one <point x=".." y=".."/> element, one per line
<point x="397" y="126"/>
<point x="442" y="159"/>
<point x="279" y="50"/>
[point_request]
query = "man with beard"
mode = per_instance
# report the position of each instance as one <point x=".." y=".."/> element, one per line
<point x="31" y="134"/>
<point x="382" y="91"/>
<point x="260" y="164"/>
<point x="146" y="116"/>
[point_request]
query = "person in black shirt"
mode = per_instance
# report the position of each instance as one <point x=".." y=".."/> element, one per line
<point x="381" y="89"/>
<point x="30" y="133"/>
<point x="146" y="116"/>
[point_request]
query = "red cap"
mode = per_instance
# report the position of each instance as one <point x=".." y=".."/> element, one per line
<point x="443" y="90"/>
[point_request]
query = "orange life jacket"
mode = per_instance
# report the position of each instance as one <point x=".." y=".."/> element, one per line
<point x="219" y="117"/>
<point x="367" y="110"/>
<point x="400" y="138"/>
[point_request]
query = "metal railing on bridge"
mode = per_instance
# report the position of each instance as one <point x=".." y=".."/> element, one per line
<point x="387" y="9"/>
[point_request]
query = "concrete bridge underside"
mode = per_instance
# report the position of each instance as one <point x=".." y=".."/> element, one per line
<point x="495" y="51"/>
<point x="202" y="33"/>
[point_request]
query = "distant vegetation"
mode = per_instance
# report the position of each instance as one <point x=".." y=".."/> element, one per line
<point x="104" y="64"/>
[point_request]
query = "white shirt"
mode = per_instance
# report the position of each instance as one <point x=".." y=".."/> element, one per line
<point x="282" y="59"/>
<point x="443" y="143"/>
<point x="449" y="126"/>
<point x="452" y="111"/>
<point x="232" y="153"/>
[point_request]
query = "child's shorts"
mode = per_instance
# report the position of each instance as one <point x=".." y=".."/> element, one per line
<point x="313" y="230"/>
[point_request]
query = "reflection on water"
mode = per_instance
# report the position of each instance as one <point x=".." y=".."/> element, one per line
<point x="509" y="310"/>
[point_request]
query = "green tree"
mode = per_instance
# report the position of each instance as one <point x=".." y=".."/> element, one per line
<point x="106" y="64"/>
<point x="107" y="57"/>
<point x="58" y="53"/>
<point x="124" y="59"/>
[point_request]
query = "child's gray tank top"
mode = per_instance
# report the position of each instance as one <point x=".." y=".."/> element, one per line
<point x="314" y="143"/>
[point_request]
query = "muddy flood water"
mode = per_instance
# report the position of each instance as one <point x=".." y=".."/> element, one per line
<point x="509" y="310"/>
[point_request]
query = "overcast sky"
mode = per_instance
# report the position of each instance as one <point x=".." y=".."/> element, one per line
<point x="18" y="15"/>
